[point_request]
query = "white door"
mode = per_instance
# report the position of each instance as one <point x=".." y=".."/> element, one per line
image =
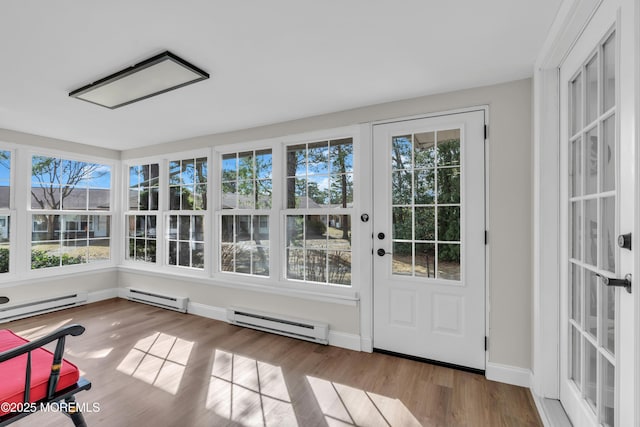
<point x="597" y="326"/>
<point x="428" y="221"/>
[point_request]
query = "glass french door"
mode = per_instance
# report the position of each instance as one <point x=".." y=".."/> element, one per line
<point x="593" y="224"/>
<point x="597" y="328"/>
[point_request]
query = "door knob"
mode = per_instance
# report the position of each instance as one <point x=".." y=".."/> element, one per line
<point x="624" y="283"/>
<point x="624" y="241"/>
<point x="382" y="252"/>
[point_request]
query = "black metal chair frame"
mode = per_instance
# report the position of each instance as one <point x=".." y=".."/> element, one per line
<point x="66" y="396"/>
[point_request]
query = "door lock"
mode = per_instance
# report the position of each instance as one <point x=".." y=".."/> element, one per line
<point x="624" y="283"/>
<point x="624" y="241"/>
<point x="380" y="236"/>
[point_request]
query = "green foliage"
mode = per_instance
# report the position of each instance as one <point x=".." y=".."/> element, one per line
<point x="4" y="260"/>
<point x="315" y="227"/>
<point x="43" y="259"/>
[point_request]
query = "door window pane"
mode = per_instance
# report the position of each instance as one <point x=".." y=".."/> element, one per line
<point x="591" y="232"/>
<point x="576" y="231"/>
<point x="608" y="317"/>
<point x="426" y="198"/>
<point x="448" y="143"/>
<point x="449" y="261"/>
<point x="609" y="74"/>
<point x="591" y="185"/>
<point x="575" y="170"/>
<point x="591" y="375"/>
<point x="576" y="358"/>
<point x="608" y="154"/>
<point x="591" y="90"/>
<point x="608" y="392"/>
<point x="591" y="303"/>
<point x="402" y="264"/>
<point x="576" y="293"/>
<point x="576" y="105"/>
<point x="425" y="149"/>
<point x="608" y="243"/>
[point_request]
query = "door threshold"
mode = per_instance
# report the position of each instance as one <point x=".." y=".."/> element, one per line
<point x="431" y="362"/>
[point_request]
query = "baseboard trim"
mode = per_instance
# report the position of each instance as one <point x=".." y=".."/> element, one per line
<point x="366" y="344"/>
<point x="344" y="340"/>
<point x="102" y="295"/>
<point x="508" y="374"/>
<point x="208" y="311"/>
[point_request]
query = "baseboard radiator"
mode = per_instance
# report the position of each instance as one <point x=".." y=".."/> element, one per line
<point x="47" y="305"/>
<point x="295" y="328"/>
<point x="158" y="300"/>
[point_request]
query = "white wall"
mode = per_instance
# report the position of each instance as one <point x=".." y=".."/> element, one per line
<point x="509" y="200"/>
<point x="509" y="219"/>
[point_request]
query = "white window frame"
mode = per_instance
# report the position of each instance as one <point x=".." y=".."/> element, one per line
<point x="285" y="211"/>
<point x="114" y="207"/>
<point x="220" y="212"/>
<point x="126" y="212"/>
<point x="162" y="216"/>
<point x="361" y="246"/>
<point x="10" y="211"/>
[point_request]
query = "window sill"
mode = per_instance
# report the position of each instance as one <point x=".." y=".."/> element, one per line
<point x="331" y="294"/>
<point x="47" y="275"/>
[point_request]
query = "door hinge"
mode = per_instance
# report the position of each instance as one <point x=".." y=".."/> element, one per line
<point x="486" y="237"/>
<point x="485" y="131"/>
<point x="486" y="343"/>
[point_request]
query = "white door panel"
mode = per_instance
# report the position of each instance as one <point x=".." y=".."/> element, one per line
<point x="429" y="262"/>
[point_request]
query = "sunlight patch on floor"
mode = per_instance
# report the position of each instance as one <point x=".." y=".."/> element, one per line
<point x="159" y="359"/>
<point x="40" y="331"/>
<point x="348" y="406"/>
<point x="249" y="392"/>
<point x="95" y="354"/>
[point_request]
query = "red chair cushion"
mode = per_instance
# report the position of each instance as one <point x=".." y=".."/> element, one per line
<point x="13" y="371"/>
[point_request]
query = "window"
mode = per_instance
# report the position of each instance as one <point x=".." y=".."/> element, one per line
<point x="62" y="192"/>
<point x="319" y="179"/>
<point x="246" y="204"/>
<point x="142" y="237"/>
<point x="5" y="205"/>
<point x="187" y="205"/>
<point x="144" y="186"/>
<point x="144" y="190"/>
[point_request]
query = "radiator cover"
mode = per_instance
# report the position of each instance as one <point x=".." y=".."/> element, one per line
<point x="274" y="323"/>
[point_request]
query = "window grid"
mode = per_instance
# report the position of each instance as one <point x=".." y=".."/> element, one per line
<point x="426" y="204"/>
<point x="144" y="187"/>
<point x="70" y="212"/>
<point x="5" y="212"/>
<point x="317" y="218"/>
<point x="246" y="201"/>
<point x="185" y="241"/>
<point x="188" y="184"/>
<point x="142" y="238"/>
<point x="185" y="219"/>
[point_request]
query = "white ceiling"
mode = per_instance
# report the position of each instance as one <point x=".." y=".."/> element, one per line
<point x="270" y="61"/>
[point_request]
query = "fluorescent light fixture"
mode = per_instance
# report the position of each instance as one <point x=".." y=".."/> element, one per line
<point x="156" y="75"/>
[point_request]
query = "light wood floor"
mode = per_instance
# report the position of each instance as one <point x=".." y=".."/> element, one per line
<point x="154" y="367"/>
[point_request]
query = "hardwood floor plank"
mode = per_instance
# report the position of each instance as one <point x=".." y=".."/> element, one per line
<point x="154" y="367"/>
